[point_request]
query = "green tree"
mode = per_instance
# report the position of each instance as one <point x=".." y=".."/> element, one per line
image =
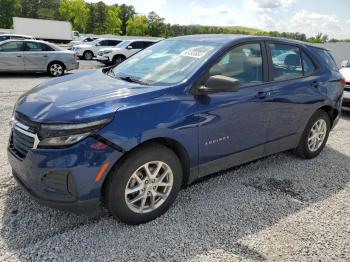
<point x="113" y="21"/>
<point x="76" y="12"/>
<point x="9" y="8"/>
<point x="156" y="26"/>
<point x="97" y="18"/>
<point x="127" y="12"/>
<point x="137" y="26"/>
<point x="49" y="10"/>
<point x="29" y="8"/>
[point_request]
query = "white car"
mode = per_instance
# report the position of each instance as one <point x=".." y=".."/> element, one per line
<point x="4" y="37"/>
<point x="117" y="54"/>
<point x="345" y="71"/>
<point x="89" y="50"/>
<point x="84" y="40"/>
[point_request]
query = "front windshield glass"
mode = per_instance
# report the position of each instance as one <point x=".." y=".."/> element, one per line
<point x="123" y="44"/>
<point x="166" y="63"/>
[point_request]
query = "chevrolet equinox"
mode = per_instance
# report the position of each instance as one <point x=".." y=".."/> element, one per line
<point x="129" y="137"/>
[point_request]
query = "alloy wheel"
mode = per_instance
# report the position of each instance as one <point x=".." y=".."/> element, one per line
<point x="56" y="69"/>
<point x="317" y="135"/>
<point x="149" y="187"/>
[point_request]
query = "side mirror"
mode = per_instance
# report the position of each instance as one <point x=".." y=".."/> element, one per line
<point x="98" y="44"/>
<point x="345" y="63"/>
<point x="129" y="47"/>
<point x="218" y="84"/>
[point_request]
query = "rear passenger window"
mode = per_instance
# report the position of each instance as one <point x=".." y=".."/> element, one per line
<point x="33" y="47"/>
<point x="308" y="65"/>
<point x="327" y="58"/>
<point x="243" y="63"/>
<point x="286" y="62"/>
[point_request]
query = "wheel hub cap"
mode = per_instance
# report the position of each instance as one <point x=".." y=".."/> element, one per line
<point x="149" y="187"/>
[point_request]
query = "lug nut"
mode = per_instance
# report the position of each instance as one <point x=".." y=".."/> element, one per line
<point x="146" y="182"/>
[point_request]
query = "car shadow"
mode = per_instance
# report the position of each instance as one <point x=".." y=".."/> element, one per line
<point x="23" y="75"/>
<point x="214" y="214"/>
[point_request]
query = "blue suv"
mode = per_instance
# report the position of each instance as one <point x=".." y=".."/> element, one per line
<point x="129" y="137"/>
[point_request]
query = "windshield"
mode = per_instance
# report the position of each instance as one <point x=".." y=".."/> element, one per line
<point x="123" y="44"/>
<point x="166" y="63"/>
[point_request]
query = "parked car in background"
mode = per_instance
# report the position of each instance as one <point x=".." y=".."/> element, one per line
<point x="122" y="51"/>
<point x="83" y="41"/>
<point x="89" y="50"/>
<point x="345" y="71"/>
<point x="4" y="37"/>
<point x="36" y="56"/>
<point x="129" y="137"/>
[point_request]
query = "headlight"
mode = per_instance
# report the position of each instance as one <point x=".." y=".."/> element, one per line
<point x="68" y="134"/>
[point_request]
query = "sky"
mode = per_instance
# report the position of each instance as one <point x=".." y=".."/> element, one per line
<point x="331" y="17"/>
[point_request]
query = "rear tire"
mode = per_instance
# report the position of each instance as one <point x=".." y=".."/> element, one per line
<point x="56" y="69"/>
<point x="315" y="135"/>
<point x="88" y="55"/>
<point x="144" y="185"/>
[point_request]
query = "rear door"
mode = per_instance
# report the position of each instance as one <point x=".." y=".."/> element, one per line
<point x="36" y="56"/>
<point x="135" y="47"/>
<point x="292" y="89"/>
<point x="11" y="56"/>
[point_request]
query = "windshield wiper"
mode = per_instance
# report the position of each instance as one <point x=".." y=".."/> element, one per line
<point x="132" y="80"/>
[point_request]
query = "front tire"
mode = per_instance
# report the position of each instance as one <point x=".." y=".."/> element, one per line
<point x="88" y="55"/>
<point x="144" y="185"/>
<point x="315" y="136"/>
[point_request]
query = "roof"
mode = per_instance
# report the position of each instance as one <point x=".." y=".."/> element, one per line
<point x="229" y="38"/>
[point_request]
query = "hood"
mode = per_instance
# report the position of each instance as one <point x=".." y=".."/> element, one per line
<point x="82" y="97"/>
<point x="83" y="45"/>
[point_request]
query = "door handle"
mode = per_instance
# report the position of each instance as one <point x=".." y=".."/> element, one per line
<point x="262" y="94"/>
<point x="44" y="55"/>
<point x="315" y="84"/>
<point x="18" y="55"/>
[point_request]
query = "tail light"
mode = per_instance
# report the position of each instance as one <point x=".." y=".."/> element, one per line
<point x="343" y="82"/>
<point x="75" y="55"/>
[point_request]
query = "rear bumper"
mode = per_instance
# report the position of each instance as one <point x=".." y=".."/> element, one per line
<point x="346" y="100"/>
<point x="72" y="66"/>
<point x="65" y="178"/>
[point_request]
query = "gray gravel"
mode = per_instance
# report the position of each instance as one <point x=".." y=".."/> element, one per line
<point x="280" y="208"/>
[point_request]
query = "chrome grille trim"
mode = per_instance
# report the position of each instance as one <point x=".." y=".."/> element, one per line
<point x="24" y="130"/>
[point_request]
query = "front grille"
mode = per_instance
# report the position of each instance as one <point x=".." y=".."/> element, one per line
<point x="347" y="88"/>
<point x="23" y="136"/>
<point x="20" y="143"/>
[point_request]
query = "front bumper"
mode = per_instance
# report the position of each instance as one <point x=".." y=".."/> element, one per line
<point x="103" y="59"/>
<point x="65" y="178"/>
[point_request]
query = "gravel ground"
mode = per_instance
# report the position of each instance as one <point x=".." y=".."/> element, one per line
<point x="280" y="208"/>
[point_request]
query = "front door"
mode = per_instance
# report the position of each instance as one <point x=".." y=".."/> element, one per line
<point x="11" y="56"/>
<point x="233" y="126"/>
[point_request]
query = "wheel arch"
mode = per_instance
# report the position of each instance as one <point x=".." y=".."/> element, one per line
<point x="331" y="111"/>
<point x="172" y="144"/>
<point x="55" y="61"/>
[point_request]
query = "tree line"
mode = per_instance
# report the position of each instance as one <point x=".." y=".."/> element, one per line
<point x="99" y="18"/>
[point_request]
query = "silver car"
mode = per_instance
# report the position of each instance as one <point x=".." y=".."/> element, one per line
<point x="36" y="56"/>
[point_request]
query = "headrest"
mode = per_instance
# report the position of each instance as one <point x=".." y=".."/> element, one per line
<point x="292" y="60"/>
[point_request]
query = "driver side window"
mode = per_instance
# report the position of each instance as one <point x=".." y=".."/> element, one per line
<point x="243" y="63"/>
